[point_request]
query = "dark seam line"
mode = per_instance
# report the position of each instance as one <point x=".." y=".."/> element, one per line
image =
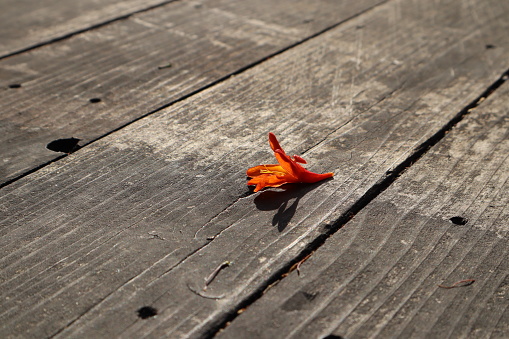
<point x="83" y="30"/>
<point x="203" y="88"/>
<point x="368" y="197"/>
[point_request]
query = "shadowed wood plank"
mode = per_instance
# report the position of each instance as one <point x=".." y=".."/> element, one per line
<point x="379" y="275"/>
<point x="144" y="215"/>
<point x="95" y="82"/>
<point x="26" y="23"/>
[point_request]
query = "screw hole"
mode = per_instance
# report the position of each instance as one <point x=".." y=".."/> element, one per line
<point x="15" y="86"/>
<point x="146" y="312"/>
<point x="95" y="100"/>
<point x="68" y="145"/>
<point x="458" y="220"/>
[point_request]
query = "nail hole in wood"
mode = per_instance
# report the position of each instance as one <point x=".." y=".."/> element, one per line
<point x="458" y="220"/>
<point x="15" y="86"/>
<point x="95" y="100"/>
<point x="146" y="312"/>
<point x="333" y="336"/>
<point x="67" y="145"/>
<point x="490" y="46"/>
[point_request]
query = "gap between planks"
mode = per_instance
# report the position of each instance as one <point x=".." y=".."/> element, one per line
<point x="455" y="111"/>
<point x="83" y="30"/>
<point x="185" y="96"/>
<point x="368" y="197"/>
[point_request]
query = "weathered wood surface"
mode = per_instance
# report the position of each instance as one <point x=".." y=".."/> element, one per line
<point x="142" y="216"/>
<point x="119" y="64"/>
<point x="378" y="276"/>
<point x="27" y="23"/>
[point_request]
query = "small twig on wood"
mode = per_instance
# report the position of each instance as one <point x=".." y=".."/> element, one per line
<point x="213" y="275"/>
<point x="208" y="280"/>
<point x="296" y="266"/>
<point x="301" y="262"/>
<point x="461" y="283"/>
<point x="200" y="293"/>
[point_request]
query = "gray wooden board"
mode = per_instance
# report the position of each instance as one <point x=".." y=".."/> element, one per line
<point x="124" y="222"/>
<point x="118" y="64"/>
<point x="378" y="276"/>
<point x="28" y="23"/>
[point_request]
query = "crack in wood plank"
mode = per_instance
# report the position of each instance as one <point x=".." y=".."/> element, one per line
<point x="475" y="248"/>
<point x="66" y="35"/>
<point x="201" y="88"/>
<point x="256" y="245"/>
<point x="367" y="198"/>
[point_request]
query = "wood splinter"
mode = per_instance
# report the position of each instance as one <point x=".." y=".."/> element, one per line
<point x="461" y="283"/>
<point x="165" y="66"/>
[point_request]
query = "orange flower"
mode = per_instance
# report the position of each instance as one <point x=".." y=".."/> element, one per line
<point x="287" y="171"/>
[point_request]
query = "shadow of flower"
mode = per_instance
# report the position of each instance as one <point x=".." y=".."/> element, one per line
<point x="280" y="199"/>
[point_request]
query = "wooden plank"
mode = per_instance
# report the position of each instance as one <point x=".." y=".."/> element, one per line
<point x="25" y="23"/>
<point x="118" y="64"/>
<point x="443" y="221"/>
<point x="143" y="215"/>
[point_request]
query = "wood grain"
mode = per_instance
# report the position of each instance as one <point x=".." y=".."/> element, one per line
<point x="144" y="215"/>
<point x="379" y="276"/>
<point x="25" y="23"/>
<point x="119" y="64"/>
